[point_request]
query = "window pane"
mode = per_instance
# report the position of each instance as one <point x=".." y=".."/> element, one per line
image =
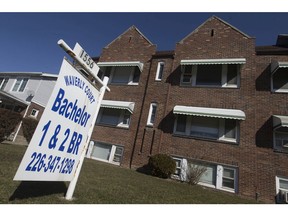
<point x="17" y="84"/>
<point x="160" y="70"/>
<point x="209" y="75"/>
<point x="187" y="74"/>
<point x="280" y="79"/>
<point x="232" y="71"/>
<point x="3" y="82"/>
<point x="209" y="176"/>
<point x="205" y="127"/>
<point x="153" y="113"/>
<point x="110" y="116"/>
<point x="230" y="128"/>
<point x="136" y="75"/>
<point x="23" y="85"/>
<point x="181" y="123"/>
<point x="121" y="75"/>
<point x="126" y="118"/>
<point x="101" y="151"/>
<point x="283" y="184"/>
<point x="228" y="178"/>
<point x="118" y="154"/>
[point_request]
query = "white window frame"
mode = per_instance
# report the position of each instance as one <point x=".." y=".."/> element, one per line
<point x="121" y="119"/>
<point x="159" y="66"/>
<point x="130" y="79"/>
<point x="224" y="84"/>
<point x="221" y="129"/>
<point x="112" y="153"/>
<point x="283" y="149"/>
<point x="151" y="109"/>
<point x="278" y="188"/>
<point x="21" y="79"/>
<point x="217" y="178"/>
<point x="272" y="85"/>
<point x="34" y="113"/>
<point x="4" y="81"/>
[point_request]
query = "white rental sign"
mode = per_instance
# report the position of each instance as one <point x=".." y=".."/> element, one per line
<point x="62" y="132"/>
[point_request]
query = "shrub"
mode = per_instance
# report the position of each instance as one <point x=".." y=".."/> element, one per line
<point x="29" y="126"/>
<point x="194" y="173"/>
<point x="8" y="122"/>
<point x="162" y="165"/>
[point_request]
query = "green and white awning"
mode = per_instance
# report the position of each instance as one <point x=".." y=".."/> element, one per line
<point x="123" y="64"/>
<point x="213" y="61"/>
<point x="210" y="112"/>
<point x="118" y="105"/>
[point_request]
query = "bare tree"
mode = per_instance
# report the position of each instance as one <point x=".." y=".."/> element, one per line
<point x="194" y="173"/>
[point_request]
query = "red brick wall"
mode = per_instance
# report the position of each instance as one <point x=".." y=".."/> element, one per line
<point x="257" y="163"/>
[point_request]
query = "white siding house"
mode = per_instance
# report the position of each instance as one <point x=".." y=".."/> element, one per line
<point x="23" y="91"/>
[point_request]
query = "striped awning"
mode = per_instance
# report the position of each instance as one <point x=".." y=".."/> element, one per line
<point x="118" y="105"/>
<point x="275" y="65"/>
<point x="210" y="112"/>
<point x="280" y="121"/>
<point x="213" y="61"/>
<point x="119" y="64"/>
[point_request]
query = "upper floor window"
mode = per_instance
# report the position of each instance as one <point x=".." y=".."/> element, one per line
<point x="114" y="117"/>
<point x="121" y="73"/>
<point x="208" y="123"/>
<point x="20" y="84"/>
<point x="280" y="133"/>
<point x="211" y="72"/>
<point x="3" y="82"/>
<point x="279" y="77"/>
<point x="159" y="73"/>
<point x="152" y="114"/>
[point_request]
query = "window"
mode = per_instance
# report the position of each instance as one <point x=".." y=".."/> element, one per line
<point x="219" y="177"/>
<point x="114" y="117"/>
<point x="20" y="84"/>
<point x="123" y="75"/>
<point x="107" y="152"/>
<point x="281" y="139"/>
<point x="207" y="127"/>
<point x="280" y="81"/>
<point x="152" y="114"/>
<point x="3" y="82"/>
<point x="282" y="189"/>
<point x="34" y="113"/>
<point x="214" y="175"/>
<point x="211" y="75"/>
<point x="159" y="73"/>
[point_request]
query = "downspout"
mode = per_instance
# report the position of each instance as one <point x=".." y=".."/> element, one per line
<point x="141" y="111"/>
<point x="165" y="109"/>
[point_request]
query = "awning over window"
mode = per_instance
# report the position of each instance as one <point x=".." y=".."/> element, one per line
<point x="119" y="64"/>
<point x="118" y="105"/>
<point x="210" y="112"/>
<point x="213" y="61"/>
<point x="280" y="121"/>
<point x="275" y="65"/>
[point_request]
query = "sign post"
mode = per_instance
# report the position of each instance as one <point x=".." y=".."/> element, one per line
<point x="57" y="148"/>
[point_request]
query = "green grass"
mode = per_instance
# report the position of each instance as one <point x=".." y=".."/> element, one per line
<point x="101" y="183"/>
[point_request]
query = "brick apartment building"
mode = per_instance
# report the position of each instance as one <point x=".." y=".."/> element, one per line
<point x="216" y="101"/>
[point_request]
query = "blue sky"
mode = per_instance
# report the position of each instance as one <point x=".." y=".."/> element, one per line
<point x="28" y="41"/>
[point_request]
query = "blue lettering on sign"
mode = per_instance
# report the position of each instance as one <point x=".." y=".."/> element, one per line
<point x="76" y="81"/>
<point x="70" y="110"/>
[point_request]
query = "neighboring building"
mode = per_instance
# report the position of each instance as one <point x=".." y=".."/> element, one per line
<point x="25" y="92"/>
<point x="217" y="101"/>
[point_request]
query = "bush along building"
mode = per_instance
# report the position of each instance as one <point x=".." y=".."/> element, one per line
<point x="216" y="102"/>
<point x="26" y="93"/>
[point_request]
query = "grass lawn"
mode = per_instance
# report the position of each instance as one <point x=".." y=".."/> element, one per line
<point x="101" y="183"/>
